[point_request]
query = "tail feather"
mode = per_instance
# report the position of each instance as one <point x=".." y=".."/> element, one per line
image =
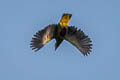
<point x="58" y="42"/>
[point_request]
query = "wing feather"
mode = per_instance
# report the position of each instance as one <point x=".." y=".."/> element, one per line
<point x="43" y="36"/>
<point x="78" y="38"/>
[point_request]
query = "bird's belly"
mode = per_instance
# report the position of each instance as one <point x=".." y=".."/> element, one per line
<point x="63" y="32"/>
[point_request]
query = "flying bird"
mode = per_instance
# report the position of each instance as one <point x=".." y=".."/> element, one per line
<point x="60" y="32"/>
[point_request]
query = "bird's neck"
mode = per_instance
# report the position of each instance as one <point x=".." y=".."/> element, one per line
<point x="64" y="22"/>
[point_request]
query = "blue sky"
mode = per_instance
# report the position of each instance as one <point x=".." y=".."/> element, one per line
<point x="21" y="19"/>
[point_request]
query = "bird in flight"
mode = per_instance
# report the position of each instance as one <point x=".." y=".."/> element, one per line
<point x="60" y="32"/>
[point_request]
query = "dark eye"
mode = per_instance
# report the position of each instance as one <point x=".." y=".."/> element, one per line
<point x="65" y="17"/>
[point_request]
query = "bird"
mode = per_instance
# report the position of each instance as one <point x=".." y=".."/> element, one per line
<point x="60" y="32"/>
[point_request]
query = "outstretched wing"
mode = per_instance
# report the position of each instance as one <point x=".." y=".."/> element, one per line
<point x="43" y="36"/>
<point x="79" y="39"/>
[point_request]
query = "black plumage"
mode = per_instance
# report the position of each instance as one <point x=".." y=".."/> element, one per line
<point x="75" y="36"/>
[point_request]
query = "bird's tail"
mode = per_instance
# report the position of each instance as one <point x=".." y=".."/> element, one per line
<point x="58" y="42"/>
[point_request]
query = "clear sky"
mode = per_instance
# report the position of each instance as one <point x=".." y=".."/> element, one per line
<point x="21" y="19"/>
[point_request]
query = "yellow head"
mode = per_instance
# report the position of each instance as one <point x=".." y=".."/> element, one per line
<point x="65" y="19"/>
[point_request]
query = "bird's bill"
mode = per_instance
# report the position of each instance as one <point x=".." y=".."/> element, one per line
<point x="67" y="15"/>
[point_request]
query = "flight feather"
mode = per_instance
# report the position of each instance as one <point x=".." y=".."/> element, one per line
<point x="43" y="36"/>
<point x="79" y="39"/>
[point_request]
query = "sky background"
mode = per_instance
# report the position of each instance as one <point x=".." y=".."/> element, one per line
<point x="21" y="19"/>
